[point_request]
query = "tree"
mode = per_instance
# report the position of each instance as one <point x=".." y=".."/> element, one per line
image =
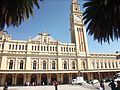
<point x="102" y="18"/>
<point x="13" y="12"/>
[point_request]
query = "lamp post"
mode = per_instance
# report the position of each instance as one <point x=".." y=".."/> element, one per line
<point x="98" y="74"/>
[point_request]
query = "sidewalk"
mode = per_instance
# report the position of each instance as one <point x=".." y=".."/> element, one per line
<point x="60" y="87"/>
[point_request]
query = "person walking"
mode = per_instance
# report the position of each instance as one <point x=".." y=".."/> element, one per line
<point x="118" y="85"/>
<point x="5" y="86"/>
<point x="112" y="85"/>
<point x="102" y="86"/>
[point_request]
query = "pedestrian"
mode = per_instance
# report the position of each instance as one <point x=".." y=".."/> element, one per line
<point x="112" y="85"/>
<point x="56" y="85"/>
<point x="5" y="86"/>
<point x="92" y="83"/>
<point x="118" y="85"/>
<point x="102" y="87"/>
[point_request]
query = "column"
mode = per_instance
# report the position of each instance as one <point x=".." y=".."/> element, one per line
<point x="69" y="64"/>
<point x="38" y="79"/>
<point x="3" y="79"/>
<point x="70" y="78"/>
<point x="28" y="63"/>
<point x="25" y="78"/>
<point x="29" y="77"/>
<point x="49" y="81"/>
<point x="79" y="63"/>
<point x="0" y="78"/>
<point x="59" y="63"/>
<point x="49" y="66"/>
<point x="4" y="63"/>
<point x="60" y="78"/>
<point x="16" y="64"/>
<point x="14" y="79"/>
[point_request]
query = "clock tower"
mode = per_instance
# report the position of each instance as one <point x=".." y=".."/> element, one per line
<point x="77" y="29"/>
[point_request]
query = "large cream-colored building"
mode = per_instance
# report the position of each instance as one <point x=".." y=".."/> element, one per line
<point x="44" y="59"/>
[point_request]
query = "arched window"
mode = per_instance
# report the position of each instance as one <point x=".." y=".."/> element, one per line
<point x="21" y="64"/>
<point x="34" y="64"/>
<point x="101" y="64"/>
<point x="93" y="64"/>
<point x="97" y="64"/>
<point x="73" y="64"/>
<point x="44" y="64"/>
<point x="116" y="65"/>
<point x="113" y="65"/>
<point x="53" y="64"/>
<point x="84" y="64"/>
<point x="11" y="64"/>
<point x="65" y="65"/>
<point x="105" y="65"/>
<point x="109" y="65"/>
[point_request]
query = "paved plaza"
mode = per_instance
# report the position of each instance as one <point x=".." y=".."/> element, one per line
<point x="60" y="87"/>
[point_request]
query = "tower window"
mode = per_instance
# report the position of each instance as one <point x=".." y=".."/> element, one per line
<point x="76" y="9"/>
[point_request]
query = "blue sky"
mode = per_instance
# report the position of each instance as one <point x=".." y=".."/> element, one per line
<point x="53" y="17"/>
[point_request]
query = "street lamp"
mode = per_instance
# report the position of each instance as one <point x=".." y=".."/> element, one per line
<point x="98" y="74"/>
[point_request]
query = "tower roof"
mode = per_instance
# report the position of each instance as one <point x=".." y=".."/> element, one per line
<point x="74" y="1"/>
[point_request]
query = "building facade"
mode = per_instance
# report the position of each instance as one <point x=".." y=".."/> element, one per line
<point x="43" y="59"/>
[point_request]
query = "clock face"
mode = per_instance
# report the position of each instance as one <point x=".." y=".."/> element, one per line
<point x="77" y="18"/>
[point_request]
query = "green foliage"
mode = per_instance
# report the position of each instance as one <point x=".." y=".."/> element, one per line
<point x="13" y="12"/>
<point x="102" y="18"/>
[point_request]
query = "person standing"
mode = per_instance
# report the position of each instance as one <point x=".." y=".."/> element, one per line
<point x="56" y="85"/>
<point x="5" y="86"/>
<point x="112" y="85"/>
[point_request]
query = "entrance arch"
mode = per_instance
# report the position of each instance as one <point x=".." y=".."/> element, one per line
<point x="44" y="79"/>
<point x="34" y="79"/>
<point x="53" y="77"/>
<point x="65" y="79"/>
<point x="8" y="79"/>
<point x="20" y="79"/>
<point x="74" y="75"/>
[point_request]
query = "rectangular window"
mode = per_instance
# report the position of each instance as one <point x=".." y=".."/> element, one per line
<point x="38" y="48"/>
<point x="41" y="48"/>
<point x="16" y="47"/>
<point x="9" y="46"/>
<point x="47" y="48"/>
<point x="56" y="48"/>
<point x="64" y="49"/>
<point x="61" y="49"/>
<point x="19" y="47"/>
<point x="25" y="47"/>
<point x="22" y="47"/>
<point x="70" y="49"/>
<point x="12" y="46"/>
<point x="44" y="48"/>
<point x="50" y="48"/>
<point x="35" y="47"/>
